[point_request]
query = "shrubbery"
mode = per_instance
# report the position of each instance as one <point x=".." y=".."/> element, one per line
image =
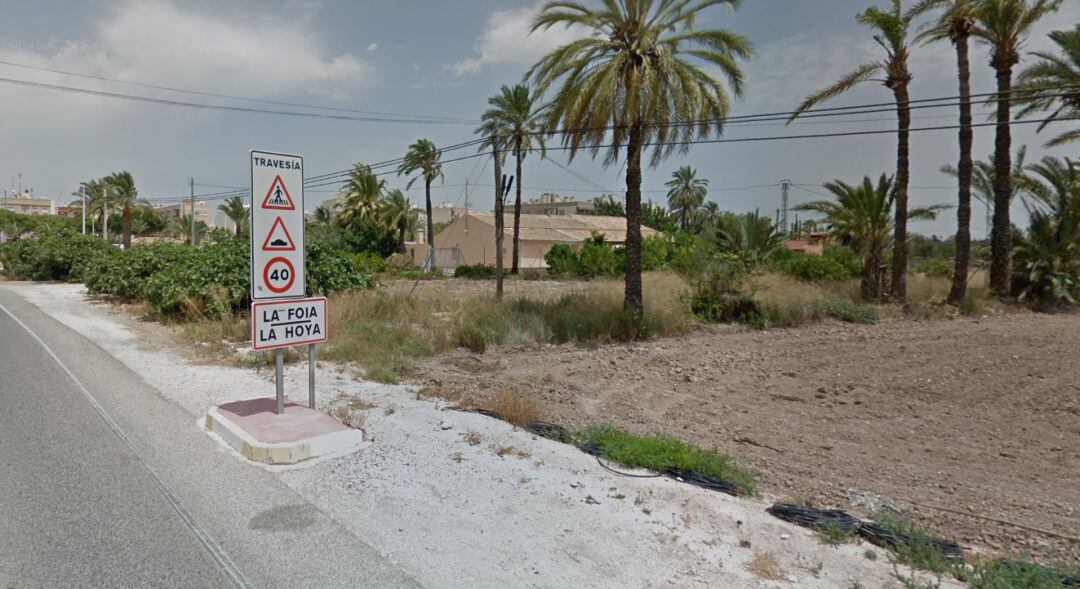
<point x="838" y="263"/>
<point x="475" y="271"/>
<point x="210" y="281"/>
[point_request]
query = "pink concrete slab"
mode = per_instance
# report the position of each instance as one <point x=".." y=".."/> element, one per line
<point x="258" y="418"/>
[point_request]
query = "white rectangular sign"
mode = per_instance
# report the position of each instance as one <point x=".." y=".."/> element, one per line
<point x="278" y="324"/>
<point x="277" y="226"/>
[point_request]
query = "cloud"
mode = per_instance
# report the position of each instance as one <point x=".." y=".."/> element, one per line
<point x="157" y="42"/>
<point x="372" y="46"/>
<point x="507" y="40"/>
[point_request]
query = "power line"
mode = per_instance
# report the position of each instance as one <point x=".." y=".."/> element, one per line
<point x="230" y="96"/>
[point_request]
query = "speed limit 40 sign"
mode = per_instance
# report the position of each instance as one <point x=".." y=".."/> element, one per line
<point x="277" y="226"/>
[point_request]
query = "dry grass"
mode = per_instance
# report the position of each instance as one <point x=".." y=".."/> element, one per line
<point x="516" y="407"/>
<point x="472" y="438"/>
<point x="504" y="451"/>
<point x="765" y="566"/>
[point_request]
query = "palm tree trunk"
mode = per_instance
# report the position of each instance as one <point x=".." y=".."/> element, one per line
<point x="403" y="225"/>
<point x="430" y="262"/>
<point x="634" y="300"/>
<point x="498" y="219"/>
<point x="870" y="283"/>
<point x="126" y="222"/>
<point x="1001" y="234"/>
<point x="899" y="262"/>
<point x="517" y="210"/>
<point x="963" y="208"/>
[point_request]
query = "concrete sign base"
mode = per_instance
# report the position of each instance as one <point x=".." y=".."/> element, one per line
<point x="255" y="430"/>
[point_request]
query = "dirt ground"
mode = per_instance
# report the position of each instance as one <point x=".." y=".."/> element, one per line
<point x="947" y="419"/>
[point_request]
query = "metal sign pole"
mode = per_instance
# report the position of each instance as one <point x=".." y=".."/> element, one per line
<point x="279" y="381"/>
<point x="311" y="375"/>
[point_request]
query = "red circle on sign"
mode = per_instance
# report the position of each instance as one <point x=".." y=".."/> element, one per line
<point x="266" y="275"/>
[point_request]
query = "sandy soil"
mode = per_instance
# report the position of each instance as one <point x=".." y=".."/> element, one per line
<point x="980" y="416"/>
<point x="458" y="499"/>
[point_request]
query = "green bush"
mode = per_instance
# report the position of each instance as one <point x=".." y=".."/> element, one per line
<point x="562" y="261"/>
<point x="332" y="271"/>
<point x="720" y="289"/>
<point x="211" y="281"/>
<point x="838" y="263"/>
<point x="475" y="271"/>
<point x="61" y="255"/>
<point x="935" y="267"/>
<point x="597" y="258"/>
<point x="124" y="273"/>
<point x="369" y="263"/>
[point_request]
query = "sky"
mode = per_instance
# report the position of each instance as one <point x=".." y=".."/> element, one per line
<point x="440" y="60"/>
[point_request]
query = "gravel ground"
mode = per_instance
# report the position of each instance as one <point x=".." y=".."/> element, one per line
<point x="458" y="499"/>
<point x="975" y="415"/>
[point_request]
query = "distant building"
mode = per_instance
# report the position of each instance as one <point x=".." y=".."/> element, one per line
<point x="554" y="204"/>
<point x="25" y="203"/>
<point x="202" y="212"/>
<point x="814" y="245"/>
<point x="470" y="238"/>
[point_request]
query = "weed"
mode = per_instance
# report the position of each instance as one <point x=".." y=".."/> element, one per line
<point x="834" y="534"/>
<point x="515" y="407"/>
<point x="869" y="554"/>
<point x="1009" y="574"/>
<point x="765" y="566"/>
<point x="920" y="552"/>
<point x="659" y="452"/>
<point x="472" y="438"/>
<point x="912" y="581"/>
<point x="390" y="410"/>
<point x="382" y="373"/>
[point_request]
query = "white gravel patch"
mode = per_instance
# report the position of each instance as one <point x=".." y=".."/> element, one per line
<point x="453" y="513"/>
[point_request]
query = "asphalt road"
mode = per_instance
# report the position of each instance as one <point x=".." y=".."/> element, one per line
<point x="105" y="483"/>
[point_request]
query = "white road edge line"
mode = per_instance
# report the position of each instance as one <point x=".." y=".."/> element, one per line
<point x="227" y="565"/>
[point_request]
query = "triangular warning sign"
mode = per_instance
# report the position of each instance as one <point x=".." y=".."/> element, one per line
<point x="278" y="240"/>
<point x="278" y="196"/>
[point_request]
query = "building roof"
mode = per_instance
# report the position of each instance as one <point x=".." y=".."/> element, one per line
<point x="564" y="228"/>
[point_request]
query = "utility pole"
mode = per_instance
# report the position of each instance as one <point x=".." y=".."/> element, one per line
<point x="466" y="205"/>
<point x="784" y="186"/>
<point x="105" y="211"/>
<point x="498" y="218"/>
<point x="82" y="195"/>
<point x="191" y="185"/>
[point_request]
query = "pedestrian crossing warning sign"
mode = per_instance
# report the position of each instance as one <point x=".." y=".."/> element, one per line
<point x="278" y="239"/>
<point x="278" y="196"/>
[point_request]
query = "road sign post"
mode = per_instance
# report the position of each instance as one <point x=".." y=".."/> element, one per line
<point x="278" y="272"/>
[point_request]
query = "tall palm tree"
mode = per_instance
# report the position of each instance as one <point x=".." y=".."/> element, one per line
<point x="360" y="195"/>
<point x="424" y="157"/>
<point x="1049" y="255"/>
<point x="394" y="213"/>
<point x="235" y="210"/>
<point x="95" y="191"/>
<point x="638" y="76"/>
<point x="982" y="180"/>
<point x="1054" y="83"/>
<point x="709" y="213"/>
<point x="1003" y="25"/>
<point x="514" y="116"/>
<point x="891" y="26"/>
<point x="686" y="194"/>
<point x="862" y="215"/>
<point x="123" y="194"/>
<point x="954" y="22"/>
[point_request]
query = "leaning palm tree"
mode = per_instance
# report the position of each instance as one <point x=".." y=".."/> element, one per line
<point x="686" y="194"/>
<point x="360" y="195"/>
<point x="638" y="76"/>
<point x="123" y="194"/>
<point x="891" y="27"/>
<point x="235" y="210"/>
<point x="1053" y="83"/>
<point x="424" y="157"/>
<point x="862" y="216"/>
<point x="515" y="117"/>
<point x="954" y="22"/>
<point x="1003" y="25"/>
<point x="394" y="213"/>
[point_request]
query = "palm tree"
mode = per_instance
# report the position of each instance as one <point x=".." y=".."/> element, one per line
<point x="96" y="199"/>
<point x="181" y="227"/>
<point x="122" y="195"/>
<point x="515" y="117"/>
<point x="322" y="215"/>
<point x="982" y="180"/>
<point x="862" y="215"/>
<point x="954" y="22"/>
<point x="891" y="32"/>
<point x="1049" y="256"/>
<point x="709" y="213"/>
<point x="637" y="77"/>
<point x="423" y="157"/>
<point x="1054" y="83"/>
<point x="750" y="235"/>
<point x="1003" y="25"/>
<point x="394" y="212"/>
<point x="235" y="210"/>
<point x="686" y="193"/>
<point x="360" y="195"/>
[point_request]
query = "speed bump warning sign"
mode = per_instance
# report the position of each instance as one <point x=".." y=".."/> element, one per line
<point x="277" y="226"/>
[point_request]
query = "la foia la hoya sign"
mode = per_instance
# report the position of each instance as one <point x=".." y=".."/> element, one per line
<point x="278" y="324"/>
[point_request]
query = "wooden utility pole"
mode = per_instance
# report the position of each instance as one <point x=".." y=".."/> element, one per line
<point x="498" y="218"/>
